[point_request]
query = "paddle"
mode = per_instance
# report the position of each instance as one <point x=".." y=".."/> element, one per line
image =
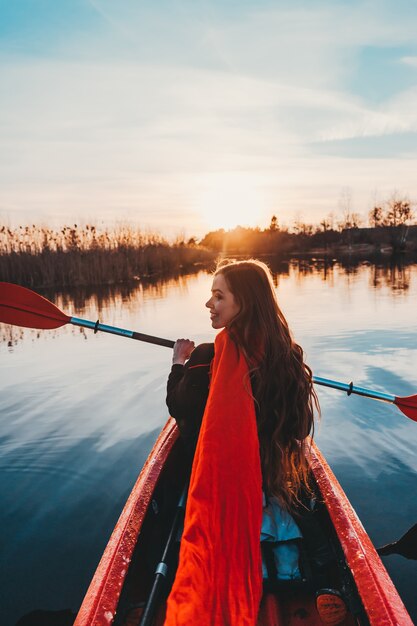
<point x="162" y="571"/>
<point x="406" y="404"/>
<point x="23" y="307"/>
<point x="405" y="546"/>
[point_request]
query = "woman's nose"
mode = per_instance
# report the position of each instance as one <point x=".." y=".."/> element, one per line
<point x="208" y="303"/>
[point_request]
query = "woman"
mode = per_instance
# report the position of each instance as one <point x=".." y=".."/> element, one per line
<point x="243" y="301"/>
<point x="279" y="383"/>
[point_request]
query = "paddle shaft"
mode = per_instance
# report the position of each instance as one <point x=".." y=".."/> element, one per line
<point x="24" y="307"/>
<point x="349" y="388"/>
<point x="121" y="332"/>
<point x="162" y="569"/>
<point x="406" y="405"/>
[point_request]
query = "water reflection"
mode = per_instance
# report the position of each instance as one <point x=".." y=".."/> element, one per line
<point x="58" y="532"/>
<point x="395" y="275"/>
<point x="79" y="413"/>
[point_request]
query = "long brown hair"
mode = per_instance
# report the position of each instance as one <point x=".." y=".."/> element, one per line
<point x="280" y="380"/>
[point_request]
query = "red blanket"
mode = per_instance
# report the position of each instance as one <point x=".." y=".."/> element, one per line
<point x="219" y="577"/>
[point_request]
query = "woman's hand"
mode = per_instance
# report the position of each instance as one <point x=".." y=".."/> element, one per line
<point x="182" y="351"/>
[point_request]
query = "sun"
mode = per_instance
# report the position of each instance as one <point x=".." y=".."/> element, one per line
<point x="226" y="200"/>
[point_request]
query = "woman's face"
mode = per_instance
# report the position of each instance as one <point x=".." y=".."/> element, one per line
<point x="222" y="304"/>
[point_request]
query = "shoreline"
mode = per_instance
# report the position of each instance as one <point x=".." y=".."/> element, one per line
<point x="107" y="268"/>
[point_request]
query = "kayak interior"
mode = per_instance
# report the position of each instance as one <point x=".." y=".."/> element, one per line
<point x="151" y="542"/>
<point x="124" y="580"/>
<point x="283" y="602"/>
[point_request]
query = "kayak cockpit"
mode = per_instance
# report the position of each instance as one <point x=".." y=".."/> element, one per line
<point x="283" y="603"/>
<point x="124" y="581"/>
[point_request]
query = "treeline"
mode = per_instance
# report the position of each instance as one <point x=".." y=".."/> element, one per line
<point x="254" y="241"/>
<point x="79" y="256"/>
<point x="390" y="231"/>
<point x="37" y="256"/>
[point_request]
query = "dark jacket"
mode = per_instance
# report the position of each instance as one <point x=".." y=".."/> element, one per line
<point x="187" y="392"/>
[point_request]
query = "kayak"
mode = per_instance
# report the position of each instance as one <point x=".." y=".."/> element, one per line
<point x="122" y="585"/>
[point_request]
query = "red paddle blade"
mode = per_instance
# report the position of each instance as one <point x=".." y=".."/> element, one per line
<point x="408" y="405"/>
<point x="22" y="307"/>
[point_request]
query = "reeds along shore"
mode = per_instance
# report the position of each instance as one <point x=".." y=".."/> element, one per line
<point x="79" y="256"/>
<point x="85" y="256"/>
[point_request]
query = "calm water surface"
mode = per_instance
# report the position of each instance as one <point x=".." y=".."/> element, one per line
<point x="79" y="413"/>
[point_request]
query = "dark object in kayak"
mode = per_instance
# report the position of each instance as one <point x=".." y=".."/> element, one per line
<point x="47" y="618"/>
<point x="405" y="546"/>
<point x="122" y="584"/>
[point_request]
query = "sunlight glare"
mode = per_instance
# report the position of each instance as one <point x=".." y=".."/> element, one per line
<point x="230" y="199"/>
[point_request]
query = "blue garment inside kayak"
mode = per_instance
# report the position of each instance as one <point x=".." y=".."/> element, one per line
<point x="279" y="528"/>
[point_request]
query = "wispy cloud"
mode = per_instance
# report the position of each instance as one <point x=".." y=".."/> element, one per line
<point x="410" y="61"/>
<point x="129" y="115"/>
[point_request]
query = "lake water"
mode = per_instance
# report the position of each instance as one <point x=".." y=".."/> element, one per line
<point x="79" y="413"/>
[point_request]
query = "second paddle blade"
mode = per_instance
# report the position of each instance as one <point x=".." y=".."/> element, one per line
<point x="406" y="546"/>
<point x="23" y="307"/>
<point x="408" y="406"/>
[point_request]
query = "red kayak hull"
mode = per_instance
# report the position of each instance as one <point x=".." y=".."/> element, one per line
<point x="102" y="597"/>
<point x="380" y="599"/>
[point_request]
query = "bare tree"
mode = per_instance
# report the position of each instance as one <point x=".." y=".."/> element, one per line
<point x="302" y="228"/>
<point x="398" y="212"/>
<point x="325" y="225"/>
<point x="396" y="218"/>
<point x="376" y="216"/>
<point x="274" y="226"/>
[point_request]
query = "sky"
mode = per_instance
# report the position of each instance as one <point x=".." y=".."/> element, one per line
<point x="185" y="116"/>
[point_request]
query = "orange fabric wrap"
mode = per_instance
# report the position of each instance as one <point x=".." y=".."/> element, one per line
<point x="219" y="577"/>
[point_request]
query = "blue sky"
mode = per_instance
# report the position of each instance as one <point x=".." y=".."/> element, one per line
<point x="186" y="116"/>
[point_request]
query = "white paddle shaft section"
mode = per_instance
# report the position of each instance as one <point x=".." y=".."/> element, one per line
<point x="122" y="332"/>
<point x="350" y="388"/>
<point x="102" y="327"/>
